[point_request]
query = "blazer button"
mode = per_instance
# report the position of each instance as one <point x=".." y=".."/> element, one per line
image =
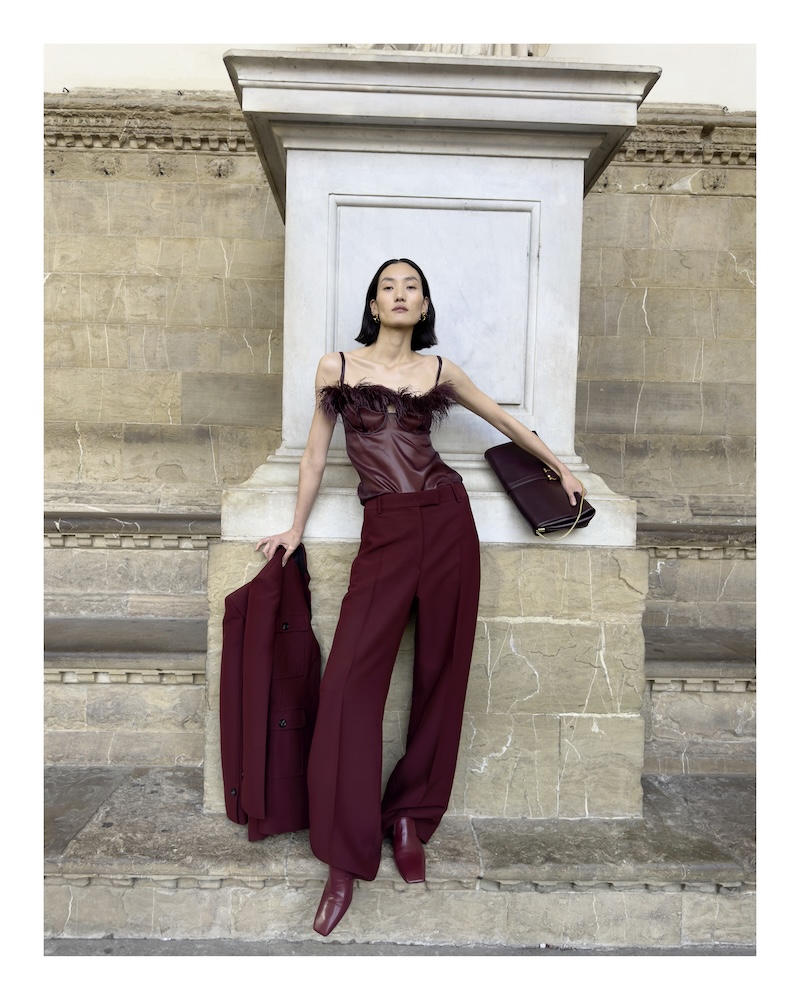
<point x="282" y="723"/>
<point x="285" y="627"/>
<point x="233" y="791"/>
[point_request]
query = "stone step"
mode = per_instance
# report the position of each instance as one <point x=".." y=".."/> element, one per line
<point x="130" y="851"/>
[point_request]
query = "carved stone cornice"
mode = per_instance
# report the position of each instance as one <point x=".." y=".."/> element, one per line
<point x="132" y="119"/>
<point x="210" y="121"/>
<point x="99" y="529"/>
<point x="691" y="134"/>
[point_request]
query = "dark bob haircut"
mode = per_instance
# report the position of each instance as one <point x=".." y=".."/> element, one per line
<point x="424" y="334"/>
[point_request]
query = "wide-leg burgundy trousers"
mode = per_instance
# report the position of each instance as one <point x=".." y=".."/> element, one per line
<point x="415" y="547"/>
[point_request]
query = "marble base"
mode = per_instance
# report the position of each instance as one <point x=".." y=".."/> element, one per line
<point x="266" y="502"/>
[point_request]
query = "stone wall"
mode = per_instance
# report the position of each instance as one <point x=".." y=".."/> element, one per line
<point x="666" y="384"/>
<point x="162" y="300"/>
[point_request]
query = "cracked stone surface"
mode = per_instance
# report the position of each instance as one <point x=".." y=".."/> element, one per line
<point x="130" y="822"/>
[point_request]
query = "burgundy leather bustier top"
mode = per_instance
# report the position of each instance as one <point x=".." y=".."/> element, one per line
<point x="387" y="434"/>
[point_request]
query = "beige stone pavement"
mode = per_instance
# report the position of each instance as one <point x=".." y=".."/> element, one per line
<point x="134" y="866"/>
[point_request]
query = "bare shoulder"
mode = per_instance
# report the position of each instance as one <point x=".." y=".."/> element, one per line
<point x="452" y="373"/>
<point x="329" y="368"/>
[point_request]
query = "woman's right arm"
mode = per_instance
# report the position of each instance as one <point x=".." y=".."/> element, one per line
<point x="312" y="466"/>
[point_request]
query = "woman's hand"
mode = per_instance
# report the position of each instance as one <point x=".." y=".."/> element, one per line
<point x="288" y="539"/>
<point x="572" y="486"/>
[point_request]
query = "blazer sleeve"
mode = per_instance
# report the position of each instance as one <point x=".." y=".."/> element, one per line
<point x="230" y="702"/>
<point x="257" y="656"/>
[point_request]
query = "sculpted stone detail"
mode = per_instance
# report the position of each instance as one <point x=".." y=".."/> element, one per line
<point x="162" y="166"/>
<point x="500" y="50"/>
<point x="709" y="139"/>
<point x="156" y="120"/>
<point x="660" y="179"/>
<point x="609" y="181"/>
<point x="714" y="180"/>
<point x="222" y="167"/>
<point x="53" y="162"/>
<point x="145" y="120"/>
<point x="106" y="165"/>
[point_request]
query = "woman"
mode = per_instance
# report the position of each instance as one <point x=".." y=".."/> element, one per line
<point x="418" y="548"/>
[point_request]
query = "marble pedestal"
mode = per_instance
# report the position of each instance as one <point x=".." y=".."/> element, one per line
<point x="475" y="168"/>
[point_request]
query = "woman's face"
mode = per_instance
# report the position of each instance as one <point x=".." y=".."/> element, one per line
<point x="399" y="300"/>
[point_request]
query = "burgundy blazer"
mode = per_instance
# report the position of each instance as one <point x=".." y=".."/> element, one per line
<point x="269" y="694"/>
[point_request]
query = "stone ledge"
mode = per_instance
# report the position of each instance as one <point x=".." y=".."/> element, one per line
<point x="125" y="635"/>
<point x="724" y="648"/>
<point x="697" y="834"/>
<point x="681" y="877"/>
<point x="145" y="529"/>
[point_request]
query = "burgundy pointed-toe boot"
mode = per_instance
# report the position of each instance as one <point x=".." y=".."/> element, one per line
<point x="336" y="898"/>
<point x="409" y="855"/>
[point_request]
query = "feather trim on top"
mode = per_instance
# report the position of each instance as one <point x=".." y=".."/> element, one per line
<point x="365" y="395"/>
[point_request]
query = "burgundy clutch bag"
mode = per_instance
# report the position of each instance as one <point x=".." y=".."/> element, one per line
<point x="536" y="490"/>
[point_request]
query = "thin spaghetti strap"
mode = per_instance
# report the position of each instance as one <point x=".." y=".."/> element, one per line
<point x="341" y="377"/>
<point x="438" y="372"/>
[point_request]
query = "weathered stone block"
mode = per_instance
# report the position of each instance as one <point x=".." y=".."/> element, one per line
<point x="242" y="449"/>
<point x="169" y="453"/>
<point x="743" y="224"/>
<point x="707" y="920"/>
<point x="202" y="301"/>
<point x="663" y="465"/>
<point x="76" y="206"/>
<point x="158" y="708"/>
<point x="718" y="717"/>
<point x="507" y="766"/>
<point x="95" y="254"/>
<point x="201" y="349"/>
<point x="65" y="707"/>
<point x="600" y="766"/>
<point x="82" y="450"/>
<point x="117" y="748"/>
<point x="242" y="400"/>
<point x="622" y="221"/>
<point x="112" y="396"/>
<point x="233" y="258"/>
<point x="573" y="920"/>
<point x="709" y="581"/>
<point x="543" y="668"/>
<point x="690" y="223"/>
<point x="85" y="345"/>
<point x="551" y="582"/>
<point x="61" y="299"/>
<point x="736" y="313"/>
<point x="702" y="614"/>
<point x="126" y="571"/>
<point x="662" y="359"/>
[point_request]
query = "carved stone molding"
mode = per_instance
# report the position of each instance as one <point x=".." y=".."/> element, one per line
<point x="119" y="675"/>
<point x="687" y="134"/>
<point x="120" y="119"/>
<point x="710" y="886"/>
<point x="208" y="121"/>
<point x="703" y="685"/>
<point x="86" y="529"/>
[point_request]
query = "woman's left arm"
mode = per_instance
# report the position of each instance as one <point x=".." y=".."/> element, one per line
<point x="470" y="396"/>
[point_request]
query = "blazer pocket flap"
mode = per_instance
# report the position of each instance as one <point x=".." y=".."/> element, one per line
<point x="292" y="623"/>
<point x="288" y="718"/>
